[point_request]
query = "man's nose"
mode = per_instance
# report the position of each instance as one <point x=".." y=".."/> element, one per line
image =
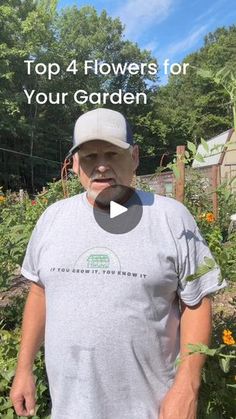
<point x="103" y="166"/>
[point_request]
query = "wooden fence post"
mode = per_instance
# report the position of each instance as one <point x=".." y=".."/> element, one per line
<point x="214" y="183"/>
<point x="179" y="191"/>
<point x="21" y="195"/>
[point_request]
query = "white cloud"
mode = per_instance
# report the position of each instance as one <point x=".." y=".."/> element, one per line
<point x="138" y="15"/>
<point x="187" y="43"/>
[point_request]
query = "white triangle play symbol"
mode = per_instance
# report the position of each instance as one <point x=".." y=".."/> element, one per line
<point x="116" y="209"/>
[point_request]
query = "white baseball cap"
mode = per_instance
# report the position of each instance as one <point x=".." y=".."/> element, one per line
<point x="102" y="124"/>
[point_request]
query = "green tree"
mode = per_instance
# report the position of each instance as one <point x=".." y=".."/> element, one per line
<point x="25" y="32"/>
<point x="35" y="30"/>
<point x="191" y="107"/>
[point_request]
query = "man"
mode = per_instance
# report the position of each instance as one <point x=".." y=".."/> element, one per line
<point x="118" y="308"/>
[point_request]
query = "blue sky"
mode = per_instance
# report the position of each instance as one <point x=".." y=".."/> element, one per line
<point x="169" y="28"/>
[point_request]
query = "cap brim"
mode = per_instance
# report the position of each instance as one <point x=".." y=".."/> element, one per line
<point x="114" y="141"/>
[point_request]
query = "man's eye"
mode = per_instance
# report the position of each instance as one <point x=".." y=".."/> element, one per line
<point x="112" y="154"/>
<point x="90" y="156"/>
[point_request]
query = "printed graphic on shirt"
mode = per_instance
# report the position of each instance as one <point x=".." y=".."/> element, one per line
<point x="98" y="258"/>
<point x="98" y="261"/>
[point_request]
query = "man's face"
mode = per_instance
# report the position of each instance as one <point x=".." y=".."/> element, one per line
<point x="101" y="164"/>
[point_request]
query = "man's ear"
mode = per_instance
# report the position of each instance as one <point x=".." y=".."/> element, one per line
<point x="135" y="157"/>
<point x="75" y="166"/>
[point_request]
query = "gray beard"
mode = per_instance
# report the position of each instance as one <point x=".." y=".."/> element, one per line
<point x="116" y="194"/>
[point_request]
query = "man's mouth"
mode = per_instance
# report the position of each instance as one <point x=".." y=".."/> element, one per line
<point x="104" y="180"/>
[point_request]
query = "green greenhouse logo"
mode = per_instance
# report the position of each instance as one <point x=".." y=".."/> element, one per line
<point x="98" y="261"/>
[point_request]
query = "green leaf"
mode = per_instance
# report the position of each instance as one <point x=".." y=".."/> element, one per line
<point x="199" y="158"/>
<point x="227" y="195"/>
<point x="206" y="74"/>
<point x="6" y="405"/>
<point x="9" y="414"/>
<point x="205" y="145"/>
<point x="224" y="364"/>
<point x="201" y="348"/>
<point x="191" y="146"/>
<point x="190" y="278"/>
<point x="202" y="269"/>
<point x="209" y="262"/>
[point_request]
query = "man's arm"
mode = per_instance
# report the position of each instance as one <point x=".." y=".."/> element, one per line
<point x="195" y="327"/>
<point x="22" y="392"/>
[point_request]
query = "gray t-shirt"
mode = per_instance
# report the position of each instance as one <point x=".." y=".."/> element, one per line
<point x="112" y="309"/>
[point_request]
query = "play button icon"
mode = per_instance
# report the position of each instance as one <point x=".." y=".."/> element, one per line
<point x="118" y="209"/>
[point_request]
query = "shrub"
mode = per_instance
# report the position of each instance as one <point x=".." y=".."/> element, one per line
<point x="18" y="219"/>
<point x="217" y="392"/>
<point x="199" y="201"/>
<point x="9" y="346"/>
<point x="11" y="316"/>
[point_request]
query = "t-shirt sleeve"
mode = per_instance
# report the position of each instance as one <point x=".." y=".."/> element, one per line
<point x="198" y="273"/>
<point x="30" y="263"/>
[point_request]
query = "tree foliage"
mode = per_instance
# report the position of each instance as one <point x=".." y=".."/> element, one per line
<point x="188" y="108"/>
<point x="36" y="30"/>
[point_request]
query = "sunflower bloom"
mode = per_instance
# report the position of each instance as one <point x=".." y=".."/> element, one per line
<point x="210" y="218"/>
<point x="227" y="337"/>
